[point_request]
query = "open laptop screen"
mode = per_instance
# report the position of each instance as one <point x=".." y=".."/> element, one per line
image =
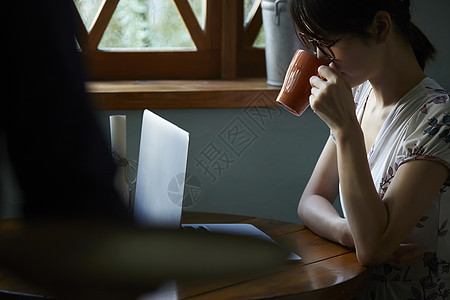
<point x="161" y="172"/>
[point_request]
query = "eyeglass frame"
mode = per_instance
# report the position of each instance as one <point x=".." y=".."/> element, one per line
<point x="319" y="44"/>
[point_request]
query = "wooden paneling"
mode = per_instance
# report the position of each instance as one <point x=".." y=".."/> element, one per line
<point x="230" y="20"/>
<point x="180" y="94"/>
<point x="196" y="32"/>
<point x="112" y="65"/>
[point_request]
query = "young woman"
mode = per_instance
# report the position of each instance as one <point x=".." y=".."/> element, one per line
<point x="389" y="158"/>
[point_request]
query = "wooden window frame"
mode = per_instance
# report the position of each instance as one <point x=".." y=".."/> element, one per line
<point x="224" y="47"/>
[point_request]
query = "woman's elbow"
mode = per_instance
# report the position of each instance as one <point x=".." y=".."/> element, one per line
<point x="301" y="209"/>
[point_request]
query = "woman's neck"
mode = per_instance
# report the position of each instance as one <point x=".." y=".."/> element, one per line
<point x="399" y="73"/>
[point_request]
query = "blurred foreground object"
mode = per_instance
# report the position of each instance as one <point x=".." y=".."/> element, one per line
<point x="103" y="258"/>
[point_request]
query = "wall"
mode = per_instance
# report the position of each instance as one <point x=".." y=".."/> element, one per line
<point x="432" y="18"/>
<point x="262" y="157"/>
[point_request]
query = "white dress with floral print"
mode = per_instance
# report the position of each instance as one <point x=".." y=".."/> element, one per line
<point x="418" y="128"/>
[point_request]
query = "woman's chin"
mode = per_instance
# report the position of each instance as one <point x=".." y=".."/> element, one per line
<point x="352" y="81"/>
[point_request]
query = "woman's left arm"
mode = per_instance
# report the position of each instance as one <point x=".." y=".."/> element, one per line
<point x="378" y="226"/>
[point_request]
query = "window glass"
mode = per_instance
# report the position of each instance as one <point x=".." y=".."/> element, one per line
<point x="259" y="41"/>
<point x="199" y="8"/>
<point x="88" y="10"/>
<point x="145" y="28"/>
<point x="249" y="6"/>
<point x="147" y="24"/>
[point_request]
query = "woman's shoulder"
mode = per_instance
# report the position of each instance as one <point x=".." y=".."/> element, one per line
<point x="432" y="85"/>
<point x="427" y="101"/>
<point x="433" y="96"/>
<point x="428" y="108"/>
<point x="424" y="101"/>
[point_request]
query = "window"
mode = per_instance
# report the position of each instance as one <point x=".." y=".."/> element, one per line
<point x="171" y="39"/>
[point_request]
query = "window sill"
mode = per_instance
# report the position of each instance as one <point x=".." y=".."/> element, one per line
<point x="182" y="94"/>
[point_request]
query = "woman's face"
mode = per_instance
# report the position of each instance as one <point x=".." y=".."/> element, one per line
<point x="356" y="59"/>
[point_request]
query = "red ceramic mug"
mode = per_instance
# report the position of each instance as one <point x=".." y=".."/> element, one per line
<point x="294" y="95"/>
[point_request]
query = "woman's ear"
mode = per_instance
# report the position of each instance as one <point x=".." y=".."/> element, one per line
<point x="382" y="26"/>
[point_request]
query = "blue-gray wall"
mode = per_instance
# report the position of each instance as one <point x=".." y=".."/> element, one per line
<point x="432" y="17"/>
<point x="245" y="161"/>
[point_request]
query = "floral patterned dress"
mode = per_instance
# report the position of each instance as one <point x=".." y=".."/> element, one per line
<point x="418" y="128"/>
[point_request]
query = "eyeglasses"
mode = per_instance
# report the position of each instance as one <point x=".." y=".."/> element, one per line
<point x="314" y="44"/>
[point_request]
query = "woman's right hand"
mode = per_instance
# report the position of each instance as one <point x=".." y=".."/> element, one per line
<point x="406" y="255"/>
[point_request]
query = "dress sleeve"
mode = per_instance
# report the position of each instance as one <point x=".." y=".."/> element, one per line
<point x="428" y="134"/>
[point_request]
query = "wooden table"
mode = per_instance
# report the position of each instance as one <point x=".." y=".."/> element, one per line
<point x="326" y="271"/>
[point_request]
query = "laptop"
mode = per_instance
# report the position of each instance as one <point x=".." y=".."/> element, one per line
<point x="161" y="178"/>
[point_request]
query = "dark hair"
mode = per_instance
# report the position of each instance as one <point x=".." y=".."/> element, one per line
<point x="330" y="19"/>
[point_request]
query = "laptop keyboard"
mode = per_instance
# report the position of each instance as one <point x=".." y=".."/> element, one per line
<point x="196" y="228"/>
